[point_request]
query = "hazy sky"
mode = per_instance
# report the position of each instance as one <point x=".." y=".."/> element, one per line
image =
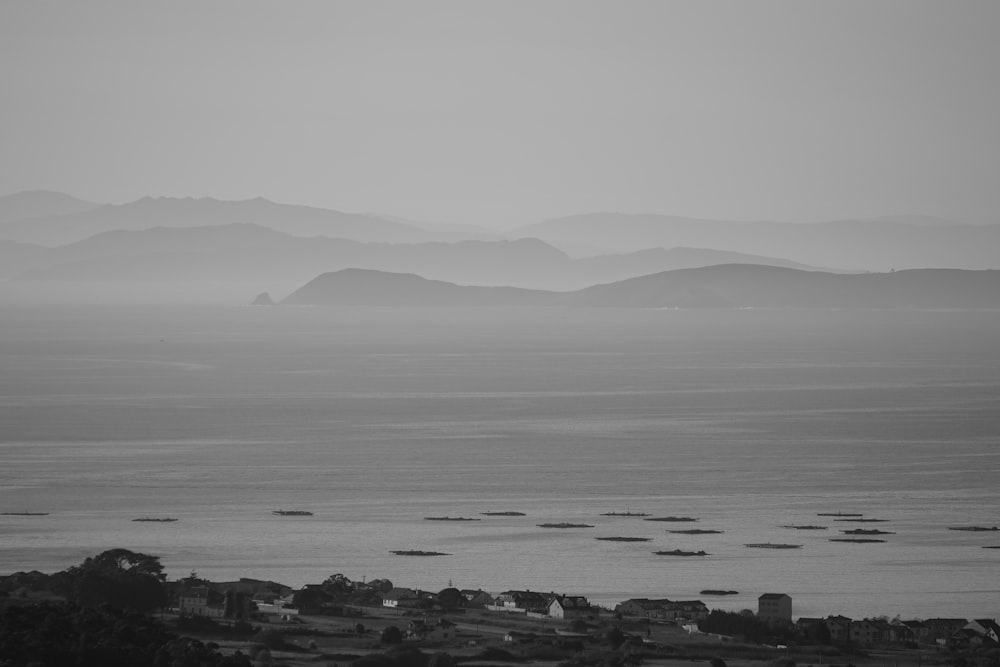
<point x="502" y="113"/>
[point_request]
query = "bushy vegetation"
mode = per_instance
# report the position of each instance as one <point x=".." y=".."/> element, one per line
<point x="118" y="577"/>
<point x="65" y="634"/>
<point x="748" y="626"/>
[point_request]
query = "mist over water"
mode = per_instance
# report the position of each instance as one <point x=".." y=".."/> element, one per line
<point x="375" y="418"/>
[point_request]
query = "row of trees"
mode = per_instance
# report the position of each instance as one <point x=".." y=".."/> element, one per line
<point x="65" y="634"/>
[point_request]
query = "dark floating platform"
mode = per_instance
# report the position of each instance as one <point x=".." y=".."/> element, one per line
<point x="806" y="527"/>
<point x="450" y="518"/>
<point x="671" y="518"/>
<point x="856" y="540"/>
<point x="503" y="513"/>
<point x="772" y="545"/>
<point x="564" y="525"/>
<point x="864" y="520"/>
<point x="678" y="552"/>
<point x="417" y="552"/>
<point x="715" y="591"/>
<point x="867" y="531"/>
<point x="624" y="539"/>
<point x="625" y="514"/>
<point x="24" y="513"/>
<point x="156" y="519"/>
<point x="975" y="529"/>
<point x="840" y="514"/>
<point x="993" y="547"/>
<point x="695" y="531"/>
<point x="292" y="513"/>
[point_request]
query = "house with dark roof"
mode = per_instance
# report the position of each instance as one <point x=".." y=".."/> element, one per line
<point x="774" y="608"/>
<point x="477" y="599"/>
<point x="694" y="610"/>
<point x="201" y="601"/>
<point x="663" y="608"/>
<point x="869" y="632"/>
<point x="910" y="631"/>
<point x="402" y="597"/>
<point x="839" y="628"/>
<point x="985" y="628"/>
<point x="941" y="629"/>
<point x="568" y="606"/>
<point x="524" y="602"/>
<point x="643" y="607"/>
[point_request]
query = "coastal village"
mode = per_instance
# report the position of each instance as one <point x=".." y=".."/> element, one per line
<point x="367" y="623"/>
<point x="469" y="619"/>
<point x="278" y="603"/>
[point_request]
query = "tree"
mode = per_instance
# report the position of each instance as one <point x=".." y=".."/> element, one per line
<point x="381" y="585"/>
<point x="337" y="584"/>
<point x="450" y="598"/>
<point x="121" y="578"/>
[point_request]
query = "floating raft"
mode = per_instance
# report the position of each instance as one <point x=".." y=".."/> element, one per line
<point x="671" y="518"/>
<point x="975" y="529"/>
<point x="856" y="540"/>
<point x="292" y="513"/>
<point x="450" y="518"/>
<point x="625" y="514"/>
<point x="864" y="520"/>
<point x="417" y="552"/>
<point x="840" y="514"/>
<point x="503" y="513"/>
<point x="772" y="545"/>
<point x="714" y="591"/>
<point x="806" y="527"/>
<point x="156" y="519"/>
<point x="866" y="531"/>
<point x="678" y="552"/>
<point x="24" y="513"/>
<point x="624" y="539"/>
<point x="564" y="525"/>
<point x="695" y="531"/>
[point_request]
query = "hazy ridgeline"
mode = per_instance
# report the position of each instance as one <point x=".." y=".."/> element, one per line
<point x="373" y="418"/>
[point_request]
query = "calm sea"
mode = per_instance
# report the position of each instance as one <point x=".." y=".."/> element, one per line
<point x="373" y="419"/>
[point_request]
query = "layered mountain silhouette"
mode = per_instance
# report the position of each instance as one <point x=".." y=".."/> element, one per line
<point x="149" y="212"/>
<point x="40" y="203"/>
<point x="721" y="286"/>
<point x="250" y="253"/>
<point x="905" y="241"/>
<point x="859" y="245"/>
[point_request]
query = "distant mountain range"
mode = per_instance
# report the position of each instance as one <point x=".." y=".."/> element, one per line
<point x="879" y="244"/>
<point x="146" y="213"/>
<point x="250" y="253"/>
<point x="38" y="203"/>
<point x="858" y="245"/>
<point x="721" y="286"/>
<point x="50" y="239"/>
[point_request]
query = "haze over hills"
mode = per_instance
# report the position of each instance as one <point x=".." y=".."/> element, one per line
<point x="197" y="245"/>
<point x="720" y="286"/>
<point x="148" y="212"/>
<point x="251" y="254"/>
<point x="880" y="244"/>
<point x="859" y="245"/>
<point x="38" y="203"/>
